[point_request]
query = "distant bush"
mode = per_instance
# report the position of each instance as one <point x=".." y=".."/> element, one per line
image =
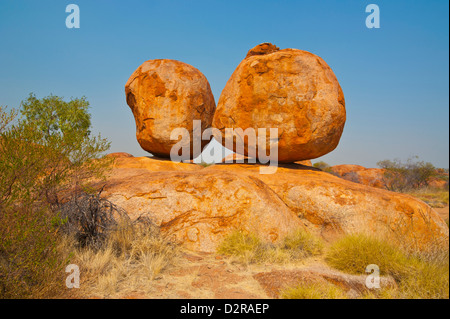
<point x="47" y="156"/>
<point x="401" y="176"/>
<point x="322" y="166"/>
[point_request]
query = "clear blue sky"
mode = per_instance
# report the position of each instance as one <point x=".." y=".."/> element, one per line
<point x="395" y="79"/>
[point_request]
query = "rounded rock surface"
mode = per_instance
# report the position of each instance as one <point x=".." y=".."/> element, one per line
<point x="292" y="90"/>
<point x="165" y="95"/>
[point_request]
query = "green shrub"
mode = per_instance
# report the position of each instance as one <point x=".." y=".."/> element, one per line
<point x="30" y="263"/>
<point x="46" y="155"/>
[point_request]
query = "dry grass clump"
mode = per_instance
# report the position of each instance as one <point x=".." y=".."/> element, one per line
<point x="248" y="248"/>
<point x="418" y="274"/>
<point x="314" y="291"/>
<point x="303" y="244"/>
<point x="131" y="258"/>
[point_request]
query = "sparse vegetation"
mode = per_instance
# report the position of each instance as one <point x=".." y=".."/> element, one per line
<point x="90" y="219"/>
<point x="320" y="290"/>
<point x="129" y="260"/>
<point x="303" y="244"/>
<point x="418" y="274"/>
<point x="248" y="248"/>
<point x="435" y="197"/>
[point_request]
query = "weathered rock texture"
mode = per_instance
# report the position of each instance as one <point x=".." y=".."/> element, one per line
<point x="200" y="206"/>
<point x="165" y="95"/>
<point x="292" y="90"/>
<point x="334" y="206"/>
<point x="305" y="162"/>
<point x="437" y="183"/>
<point x="119" y="155"/>
<point x="359" y="174"/>
<point x="237" y="158"/>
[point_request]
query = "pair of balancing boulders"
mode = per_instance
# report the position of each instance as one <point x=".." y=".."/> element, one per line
<point x="292" y="90"/>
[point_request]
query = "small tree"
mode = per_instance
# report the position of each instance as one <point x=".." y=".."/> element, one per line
<point x="45" y="155"/>
<point x="64" y="134"/>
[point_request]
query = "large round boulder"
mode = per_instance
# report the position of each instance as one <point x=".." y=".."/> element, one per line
<point x="165" y="95"/>
<point x="292" y="90"/>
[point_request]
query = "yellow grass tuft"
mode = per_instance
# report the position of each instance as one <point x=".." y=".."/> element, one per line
<point x="322" y="290"/>
<point x="248" y="248"/>
<point x="418" y="274"/>
<point x="130" y="260"/>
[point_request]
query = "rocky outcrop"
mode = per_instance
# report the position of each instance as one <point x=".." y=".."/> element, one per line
<point x="359" y="174"/>
<point x="437" y="183"/>
<point x="237" y="158"/>
<point x="200" y="206"/>
<point x="119" y="155"/>
<point x="165" y="95"/>
<point x="292" y="90"/>
<point x="305" y="162"/>
<point x="334" y="206"/>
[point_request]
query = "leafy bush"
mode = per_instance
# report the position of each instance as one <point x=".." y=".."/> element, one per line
<point x="29" y="259"/>
<point x="72" y="153"/>
<point x="401" y="176"/>
<point x="47" y="156"/>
